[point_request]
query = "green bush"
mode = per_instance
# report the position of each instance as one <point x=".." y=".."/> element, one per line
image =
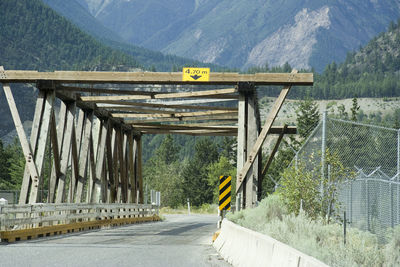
<point x="314" y="237"/>
<point x="392" y="250"/>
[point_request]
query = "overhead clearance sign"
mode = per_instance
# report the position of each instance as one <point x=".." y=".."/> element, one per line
<point x="196" y="74"/>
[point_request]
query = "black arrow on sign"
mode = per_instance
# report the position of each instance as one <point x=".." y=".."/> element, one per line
<point x="195" y="77"/>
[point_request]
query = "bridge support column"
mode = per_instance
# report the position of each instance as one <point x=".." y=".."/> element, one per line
<point x="248" y="130"/>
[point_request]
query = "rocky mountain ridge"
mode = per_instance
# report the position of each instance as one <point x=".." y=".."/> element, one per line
<point x="244" y="33"/>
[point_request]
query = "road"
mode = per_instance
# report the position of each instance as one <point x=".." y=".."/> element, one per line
<point x="179" y="240"/>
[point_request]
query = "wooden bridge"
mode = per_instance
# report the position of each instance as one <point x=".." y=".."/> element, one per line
<point x="96" y="132"/>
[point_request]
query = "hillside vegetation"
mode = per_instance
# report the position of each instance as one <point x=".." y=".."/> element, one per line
<point x="243" y="33"/>
<point x="151" y="60"/>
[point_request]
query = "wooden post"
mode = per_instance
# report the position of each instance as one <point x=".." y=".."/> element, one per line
<point x="242" y="138"/>
<point x="131" y="167"/>
<point x="26" y="147"/>
<point x="26" y="181"/>
<point x="261" y="138"/>
<point x="252" y="134"/>
<point x="83" y="155"/>
<point x="65" y="152"/>
<point x="139" y="169"/>
<point x="99" y="163"/>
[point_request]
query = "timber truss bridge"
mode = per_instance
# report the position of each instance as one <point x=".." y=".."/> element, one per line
<point x="95" y="135"/>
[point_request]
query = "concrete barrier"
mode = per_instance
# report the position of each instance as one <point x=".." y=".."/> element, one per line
<point x="243" y="247"/>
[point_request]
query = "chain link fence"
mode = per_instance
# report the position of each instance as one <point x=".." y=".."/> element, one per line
<point x="371" y="200"/>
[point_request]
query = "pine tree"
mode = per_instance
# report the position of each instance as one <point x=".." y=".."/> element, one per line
<point x="307" y="117"/>
<point x="354" y="109"/>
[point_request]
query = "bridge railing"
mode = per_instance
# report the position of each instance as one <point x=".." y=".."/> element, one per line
<point x="16" y="217"/>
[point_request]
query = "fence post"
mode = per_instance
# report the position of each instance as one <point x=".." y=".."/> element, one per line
<point x="323" y="150"/>
<point x="398" y="176"/>
<point x="367" y="202"/>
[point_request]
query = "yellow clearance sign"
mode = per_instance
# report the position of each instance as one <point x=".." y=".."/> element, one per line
<point x="196" y="74"/>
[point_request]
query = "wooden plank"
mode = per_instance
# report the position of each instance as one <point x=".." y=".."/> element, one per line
<point x="139" y="169"/>
<point x="56" y="141"/>
<point x="174" y="115"/>
<point x="117" y="109"/>
<point x="42" y="141"/>
<point x="26" y="181"/>
<point x="26" y="147"/>
<point x="191" y="132"/>
<point x="207" y="126"/>
<point x="252" y="134"/>
<point x="274" y="150"/>
<point x="241" y="139"/>
<point x="65" y="152"/>
<point x="73" y="182"/>
<point x="141" y="127"/>
<point x="195" y="118"/>
<point x="99" y="161"/>
<point x="123" y="168"/>
<point x="18" y="76"/>
<point x="208" y="93"/>
<point x="131" y="167"/>
<point x="110" y="165"/>
<point x="83" y="155"/>
<point x="162" y="105"/>
<point x="261" y="138"/>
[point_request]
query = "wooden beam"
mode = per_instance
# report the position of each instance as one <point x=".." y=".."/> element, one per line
<point x="163" y="105"/>
<point x="148" y="126"/>
<point x="191" y="132"/>
<point x="261" y="138"/>
<point x="274" y="150"/>
<point x="65" y="152"/>
<point x="26" y="181"/>
<point x="131" y="167"/>
<point x="209" y="93"/>
<point x="23" y="76"/>
<point x="26" y="147"/>
<point x="174" y="115"/>
<point x="84" y="155"/>
<point x="183" y="127"/>
<point x="196" y="118"/>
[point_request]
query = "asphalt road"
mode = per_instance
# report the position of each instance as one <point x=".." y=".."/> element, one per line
<point x="180" y="240"/>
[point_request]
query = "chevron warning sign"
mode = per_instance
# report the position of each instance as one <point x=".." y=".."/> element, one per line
<point x="225" y="192"/>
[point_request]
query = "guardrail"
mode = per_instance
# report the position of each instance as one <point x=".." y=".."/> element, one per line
<point x="19" y="222"/>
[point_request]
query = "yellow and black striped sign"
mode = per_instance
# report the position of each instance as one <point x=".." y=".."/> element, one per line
<point x="225" y="192"/>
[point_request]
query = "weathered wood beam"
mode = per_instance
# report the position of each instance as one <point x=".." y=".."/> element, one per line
<point x="26" y="181"/>
<point x="174" y="115"/>
<point x="84" y="155"/>
<point x="131" y="166"/>
<point x="273" y="152"/>
<point x="184" y="127"/>
<point x="144" y="127"/>
<point x="261" y="138"/>
<point x="18" y="76"/>
<point x="65" y="152"/>
<point x="196" y="118"/>
<point x="191" y="132"/>
<point x="158" y="105"/>
<point x="26" y="147"/>
<point x="116" y="109"/>
<point x="208" y="94"/>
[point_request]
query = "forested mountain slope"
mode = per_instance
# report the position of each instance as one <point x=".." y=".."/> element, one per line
<point x="244" y="33"/>
<point x="74" y="11"/>
<point x="34" y="37"/>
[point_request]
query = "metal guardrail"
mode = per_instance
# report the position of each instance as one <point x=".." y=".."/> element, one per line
<point x="29" y="216"/>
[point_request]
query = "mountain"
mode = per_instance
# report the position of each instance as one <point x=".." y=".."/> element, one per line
<point x="372" y="71"/>
<point x="77" y="11"/>
<point x="34" y="37"/>
<point x="244" y="33"/>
